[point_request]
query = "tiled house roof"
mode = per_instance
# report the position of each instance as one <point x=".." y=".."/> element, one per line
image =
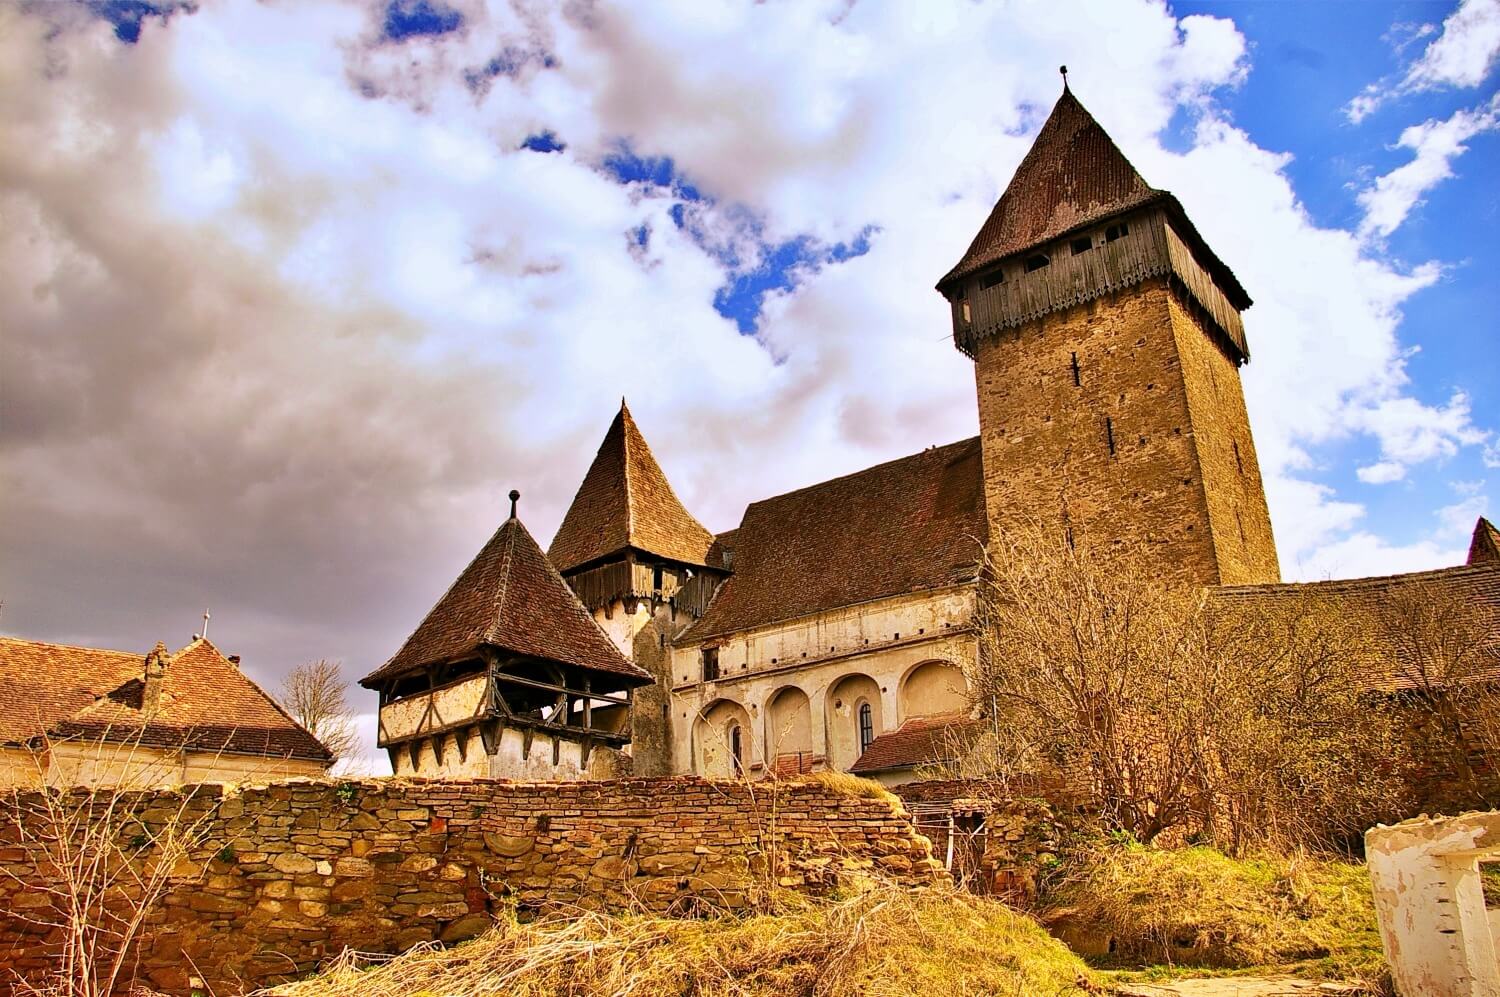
<point x="905" y="526"/>
<point x="1073" y="177"/>
<point x="1485" y="545"/>
<point x="919" y="741"/>
<point x="206" y="702"/>
<point x="1364" y="601"/>
<point x="626" y="502"/>
<point x="510" y="597"/>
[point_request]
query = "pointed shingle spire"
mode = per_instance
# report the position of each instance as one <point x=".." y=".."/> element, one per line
<point x="626" y="502"/>
<point x="1485" y="544"/>
<point x="1073" y="176"/>
<point x="511" y="598"/>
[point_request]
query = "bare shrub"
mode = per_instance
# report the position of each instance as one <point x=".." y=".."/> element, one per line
<point x="1444" y="661"/>
<point x="1167" y="710"/>
<point x="316" y="696"/>
<point x="104" y="857"/>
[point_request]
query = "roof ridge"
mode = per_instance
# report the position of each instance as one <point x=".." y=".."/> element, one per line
<point x="74" y="647"/>
<point x="626" y="422"/>
<point x="505" y="566"/>
<point x="855" y="474"/>
<point x="1364" y="580"/>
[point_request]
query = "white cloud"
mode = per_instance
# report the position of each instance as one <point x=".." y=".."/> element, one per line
<point x="1461" y="56"/>
<point x="1382" y="473"/>
<point x="288" y="312"/>
<point x="1388" y="201"/>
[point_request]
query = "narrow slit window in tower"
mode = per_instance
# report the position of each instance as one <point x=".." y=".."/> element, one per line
<point x="1237" y="462"/>
<point x="1109" y="434"/>
<point x="1076" y="379"/>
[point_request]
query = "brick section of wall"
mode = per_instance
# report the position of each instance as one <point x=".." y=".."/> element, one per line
<point x="283" y="877"/>
<point x="1113" y="455"/>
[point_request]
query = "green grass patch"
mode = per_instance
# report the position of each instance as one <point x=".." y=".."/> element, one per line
<point x="1154" y="910"/>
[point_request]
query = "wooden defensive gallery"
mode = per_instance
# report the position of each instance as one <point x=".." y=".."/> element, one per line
<point x="832" y="627"/>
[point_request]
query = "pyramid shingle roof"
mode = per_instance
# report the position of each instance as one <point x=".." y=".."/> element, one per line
<point x="510" y="597"/>
<point x="1074" y="176"/>
<point x="626" y="502"/>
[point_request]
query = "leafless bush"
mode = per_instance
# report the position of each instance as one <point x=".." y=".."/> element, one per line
<point x="1169" y="710"/>
<point x="102" y="858"/>
<point x="1445" y="664"/>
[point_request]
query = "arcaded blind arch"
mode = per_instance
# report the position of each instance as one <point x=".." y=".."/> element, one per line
<point x="713" y="735"/>
<point x="844" y="699"/>
<point x="789" y="736"/>
<point x="933" y="688"/>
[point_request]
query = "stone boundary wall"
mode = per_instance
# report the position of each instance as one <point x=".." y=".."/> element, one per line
<point x="280" y="878"/>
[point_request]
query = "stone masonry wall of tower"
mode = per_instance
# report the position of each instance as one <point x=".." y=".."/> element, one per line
<point x="1129" y="448"/>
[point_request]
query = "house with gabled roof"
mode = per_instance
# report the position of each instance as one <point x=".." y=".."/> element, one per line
<point x="833" y="627"/>
<point x="90" y="716"/>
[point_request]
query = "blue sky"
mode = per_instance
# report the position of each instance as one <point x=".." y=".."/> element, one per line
<point x="295" y="293"/>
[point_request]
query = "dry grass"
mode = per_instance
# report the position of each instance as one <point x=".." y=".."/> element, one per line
<point x="1197" y="906"/>
<point x="883" y="943"/>
<point x="848" y="785"/>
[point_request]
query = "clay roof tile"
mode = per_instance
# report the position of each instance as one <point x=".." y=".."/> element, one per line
<point x="510" y="597"/>
<point x="207" y="704"/>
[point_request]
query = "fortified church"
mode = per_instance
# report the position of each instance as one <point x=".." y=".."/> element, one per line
<point x="831" y="629"/>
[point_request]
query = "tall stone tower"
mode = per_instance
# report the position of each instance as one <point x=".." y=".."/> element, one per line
<point x="1107" y="340"/>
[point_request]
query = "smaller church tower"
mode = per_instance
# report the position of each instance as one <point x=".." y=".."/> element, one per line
<point x="508" y="676"/>
<point x="1107" y="342"/>
<point x="642" y="565"/>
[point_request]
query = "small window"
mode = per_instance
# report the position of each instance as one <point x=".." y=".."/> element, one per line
<point x="710" y="664"/>
<point x="656" y="579"/>
<point x="989" y="280"/>
<point x="964" y="308"/>
<point x="1036" y="262"/>
<point x="866" y="727"/>
<point x="1081" y="245"/>
<point x="1116" y="231"/>
<point x="737" y="748"/>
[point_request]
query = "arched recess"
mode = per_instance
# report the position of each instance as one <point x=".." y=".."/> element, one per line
<point x="932" y="688"/>
<point x="789" y="737"/>
<point x="722" y="729"/>
<point x="845" y="697"/>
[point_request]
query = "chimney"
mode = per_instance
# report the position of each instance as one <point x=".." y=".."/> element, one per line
<point x="156" y="675"/>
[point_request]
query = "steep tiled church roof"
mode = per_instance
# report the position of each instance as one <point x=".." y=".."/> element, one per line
<point x="626" y="502"/>
<point x="908" y="525"/>
<point x="1485" y="545"/>
<point x="1074" y="176"/>
<point x="205" y="704"/>
<point x="509" y="597"/>
<point x="919" y="741"/>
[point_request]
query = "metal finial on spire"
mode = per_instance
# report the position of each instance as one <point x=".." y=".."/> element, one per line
<point x="1064" y="71"/>
<point x="515" y="496"/>
<point x="204" y="634"/>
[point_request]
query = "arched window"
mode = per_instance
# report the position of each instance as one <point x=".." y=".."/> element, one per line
<point x="866" y="727"/>
<point x="736" y="749"/>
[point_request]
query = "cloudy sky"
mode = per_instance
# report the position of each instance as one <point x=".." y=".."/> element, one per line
<point x="291" y="294"/>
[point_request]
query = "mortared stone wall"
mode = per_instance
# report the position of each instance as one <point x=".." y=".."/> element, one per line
<point x="280" y="878"/>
